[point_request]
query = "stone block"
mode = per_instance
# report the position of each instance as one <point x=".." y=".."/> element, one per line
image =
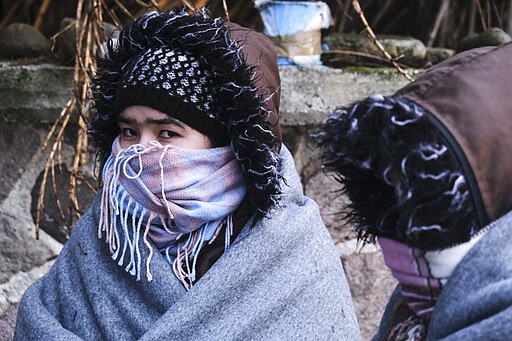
<point x="371" y="285"/>
<point x="18" y="144"/>
<point x="308" y="94"/>
<point x="37" y="93"/>
<point x="410" y="50"/>
<point x="8" y="322"/>
<point x="34" y="93"/>
<point x="326" y="192"/>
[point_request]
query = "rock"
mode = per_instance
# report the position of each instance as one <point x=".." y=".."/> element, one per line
<point x="19" y="249"/>
<point x="410" y="51"/>
<point x="326" y="192"/>
<point x="297" y="141"/>
<point x="20" y="40"/>
<point x="12" y="291"/>
<point x="34" y="93"/>
<point x="51" y="220"/>
<point x="492" y="37"/>
<point x="371" y="285"/>
<point x="15" y="156"/>
<point x="308" y="94"/>
<point x="438" y="54"/>
<point x="8" y="322"/>
<point x="352" y="246"/>
<point x="65" y="47"/>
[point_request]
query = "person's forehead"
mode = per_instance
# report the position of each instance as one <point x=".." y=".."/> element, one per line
<point x="138" y="112"/>
<point x="143" y="114"/>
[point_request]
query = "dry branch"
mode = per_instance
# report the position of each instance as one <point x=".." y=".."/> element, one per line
<point x="481" y="13"/>
<point x="124" y="9"/>
<point x="443" y="10"/>
<point x="90" y="37"/>
<point x="377" y="43"/>
<point x="355" y="53"/>
<point x="188" y="5"/>
<point x="201" y="3"/>
<point x="9" y="15"/>
<point x="40" y="201"/>
<point x="226" y="12"/>
<point x="509" y="20"/>
<point x="40" y="14"/>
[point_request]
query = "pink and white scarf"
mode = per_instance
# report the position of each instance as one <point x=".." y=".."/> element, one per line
<point x="421" y="275"/>
<point x="178" y="197"/>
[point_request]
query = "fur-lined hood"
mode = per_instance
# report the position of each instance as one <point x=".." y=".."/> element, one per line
<point x="245" y="69"/>
<point x="471" y="96"/>
<point x="430" y="165"/>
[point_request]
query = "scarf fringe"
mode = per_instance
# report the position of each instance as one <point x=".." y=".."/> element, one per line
<point x="190" y="250"/>
<point x="119" y="208"/>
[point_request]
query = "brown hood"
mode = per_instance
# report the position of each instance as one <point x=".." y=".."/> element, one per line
<point x="471" y="95"/>
<point x="259" y="52"/>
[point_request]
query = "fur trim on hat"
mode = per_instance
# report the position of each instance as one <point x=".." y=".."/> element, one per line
<point x="403" y="181"/>
<point x="237" y="103"/>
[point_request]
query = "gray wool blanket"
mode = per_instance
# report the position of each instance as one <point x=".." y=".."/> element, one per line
<point x="280" y="280"/>
<point x="476" y="303"/>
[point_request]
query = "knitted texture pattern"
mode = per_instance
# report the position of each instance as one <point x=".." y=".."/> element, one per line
<point x="175" y="83"/>
<point x="178" y="74"/>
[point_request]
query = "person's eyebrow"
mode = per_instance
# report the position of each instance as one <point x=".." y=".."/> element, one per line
<point x="122" y="119"/>
<point x="167" y="120"/>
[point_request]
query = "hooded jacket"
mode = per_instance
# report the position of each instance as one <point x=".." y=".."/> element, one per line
<point x="467" y="99"/>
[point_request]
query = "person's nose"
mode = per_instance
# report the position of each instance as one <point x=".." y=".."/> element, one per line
<point x="145" y="137"/>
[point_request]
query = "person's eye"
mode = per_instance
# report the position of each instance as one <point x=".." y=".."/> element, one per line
<point x="128" y="132"/>
<point x="167" y="134"/>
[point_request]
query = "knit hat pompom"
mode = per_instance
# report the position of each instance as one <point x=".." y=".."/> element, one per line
<point x="189" y="67"/>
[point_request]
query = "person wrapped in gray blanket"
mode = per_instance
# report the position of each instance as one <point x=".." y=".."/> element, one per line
<point x="428" y="171"/>
<point x="200" y="229"/>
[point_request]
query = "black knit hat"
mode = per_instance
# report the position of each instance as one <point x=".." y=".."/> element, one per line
<point x="173" y="82"/>
<point x="225" y="84"/>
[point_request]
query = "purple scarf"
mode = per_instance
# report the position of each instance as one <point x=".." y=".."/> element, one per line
<point x="421" y="275"/>
<point x="180" y="198"/>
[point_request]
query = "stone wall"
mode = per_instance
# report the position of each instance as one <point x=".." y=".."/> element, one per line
<point x="33" y="95"/>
